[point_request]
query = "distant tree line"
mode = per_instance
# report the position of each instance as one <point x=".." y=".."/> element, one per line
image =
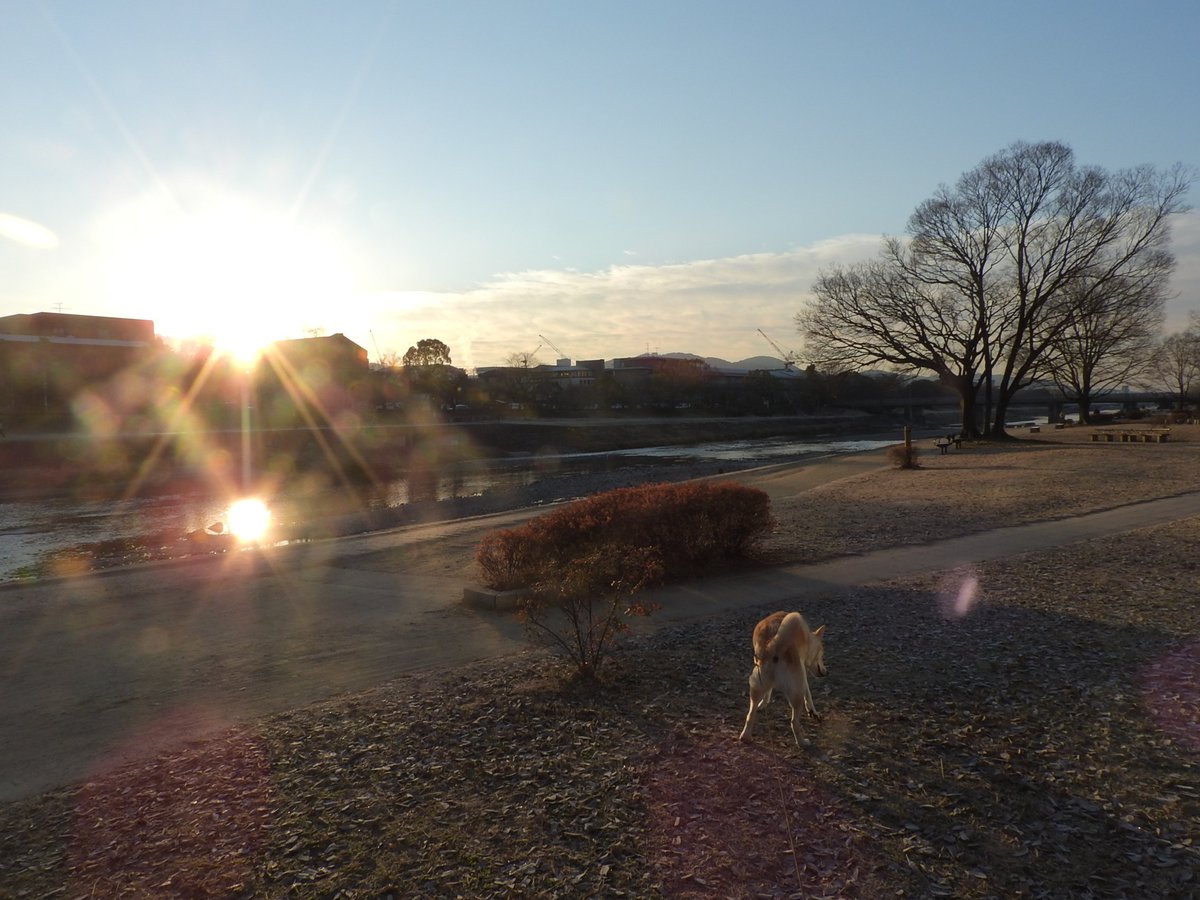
<point x="673" y="387"/>
<point x="1029" y="268"/>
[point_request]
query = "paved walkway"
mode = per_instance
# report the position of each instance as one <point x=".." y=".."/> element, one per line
<point x="116" y="666"/>
<point x="794" y="583"/>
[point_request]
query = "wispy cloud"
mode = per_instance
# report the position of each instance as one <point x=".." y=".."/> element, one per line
<point x="1185" y="285"/>
<point x="711" y="307"/>
<point x="27" y="232"/>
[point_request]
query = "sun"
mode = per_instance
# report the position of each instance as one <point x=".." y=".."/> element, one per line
<point x="249" y="520"/>
<point x="228" y="271"/>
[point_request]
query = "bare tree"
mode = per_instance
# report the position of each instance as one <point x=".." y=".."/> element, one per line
<point x="522" y="361"/>
<point x="872" y="313"/>
<point x="518" y="383"/>
<point x="1109" y="340"/>
<point x="996" y="272"/>
<point x="1177" y="362"/>
<point x="1063" y="226"/>
<point x="956" y="246"/>
<point x="389" y="360"/>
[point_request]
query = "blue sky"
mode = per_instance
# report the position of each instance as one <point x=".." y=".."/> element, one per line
<point x="616" y="177"/>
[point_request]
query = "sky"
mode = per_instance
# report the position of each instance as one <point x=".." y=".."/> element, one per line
<point x="594" y="180"/>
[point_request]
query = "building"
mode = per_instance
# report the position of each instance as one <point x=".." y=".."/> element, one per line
<point x="566" y="375"/>
<point x="312" y="380"/>
<point x="47" y="359"/>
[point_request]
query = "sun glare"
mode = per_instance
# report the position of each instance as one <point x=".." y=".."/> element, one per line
<point x="249" y="520"/>
<point x="231" y="272"/>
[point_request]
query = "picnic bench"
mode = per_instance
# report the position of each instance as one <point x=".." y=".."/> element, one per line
<point x="943" y="443"/>
<point x="1134" y="435"/>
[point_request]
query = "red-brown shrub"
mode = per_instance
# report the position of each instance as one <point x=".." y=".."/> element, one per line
<point x="683" y="524"/>
<point x="580" y="610"/>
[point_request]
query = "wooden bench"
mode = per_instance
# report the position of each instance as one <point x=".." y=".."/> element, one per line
<point x="1134" y="436"/>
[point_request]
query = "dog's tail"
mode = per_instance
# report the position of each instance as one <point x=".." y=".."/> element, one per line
<point x="793" y="624"/>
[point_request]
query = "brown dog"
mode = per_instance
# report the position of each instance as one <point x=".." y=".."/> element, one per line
<point x="785" y="651"/>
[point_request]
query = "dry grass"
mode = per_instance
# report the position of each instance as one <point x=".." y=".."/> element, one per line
<point x="1027" y="729"/>
<point x="981" y="487"/>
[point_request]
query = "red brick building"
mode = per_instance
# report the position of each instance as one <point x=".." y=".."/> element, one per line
<point x="47" y="358"/>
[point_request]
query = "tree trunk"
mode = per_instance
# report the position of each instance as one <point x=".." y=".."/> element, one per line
<point x="967" y="407"/>
<point x="987" y="394"/>
<point x="997" y="430"/>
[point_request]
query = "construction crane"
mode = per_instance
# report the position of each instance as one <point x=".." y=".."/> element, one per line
<point x="549" y="343"/>
<point x="789" y="358"/>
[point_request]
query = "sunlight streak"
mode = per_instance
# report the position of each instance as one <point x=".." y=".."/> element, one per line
<point x="316" y="417"/>
<point x="192" y="445"/>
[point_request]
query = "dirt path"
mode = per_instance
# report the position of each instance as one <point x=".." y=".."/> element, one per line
<point x="116" y="666"/>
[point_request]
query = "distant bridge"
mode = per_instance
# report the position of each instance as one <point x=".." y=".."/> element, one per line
<point x="1055" y="403"/>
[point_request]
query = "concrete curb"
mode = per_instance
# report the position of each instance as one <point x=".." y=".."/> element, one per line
<point x="486" y="598"/>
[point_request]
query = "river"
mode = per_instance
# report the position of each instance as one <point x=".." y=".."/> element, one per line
<point x="32" y="531"/>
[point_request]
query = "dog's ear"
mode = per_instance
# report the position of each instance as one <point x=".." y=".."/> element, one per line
<point x="820" y="632"/>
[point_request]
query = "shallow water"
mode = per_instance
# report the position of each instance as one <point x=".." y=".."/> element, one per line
<point x="765" y="451"/>
<point x="31" y="530"/>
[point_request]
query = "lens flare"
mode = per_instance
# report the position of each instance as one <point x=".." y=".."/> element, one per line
<point x="249" y="519"/>
<point x="959" y="594"/>
<point x="1170" y="691"/>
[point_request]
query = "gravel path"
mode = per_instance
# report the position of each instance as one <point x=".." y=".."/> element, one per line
<point x="1029" y="728"/>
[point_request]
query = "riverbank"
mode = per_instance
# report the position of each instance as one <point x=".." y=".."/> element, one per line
<point x="983" y="486"/>
<point x="83" y="465"/>
<point x="446" y="485"/>
<point x="1019" y="728"/>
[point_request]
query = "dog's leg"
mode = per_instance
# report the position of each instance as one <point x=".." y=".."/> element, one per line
<point x="757" y="698"/>
<point x="792" y="720"/>
<point x="749" y="725"/>
<point x="809" y="706"/>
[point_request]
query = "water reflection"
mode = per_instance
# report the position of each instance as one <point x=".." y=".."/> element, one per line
<point x="30" y="530"/>
<point x="766" y="450"/>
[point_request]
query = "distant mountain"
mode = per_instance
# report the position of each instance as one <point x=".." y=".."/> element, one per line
<point x="755" y="362"/>
<point x="749" y="364"/>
